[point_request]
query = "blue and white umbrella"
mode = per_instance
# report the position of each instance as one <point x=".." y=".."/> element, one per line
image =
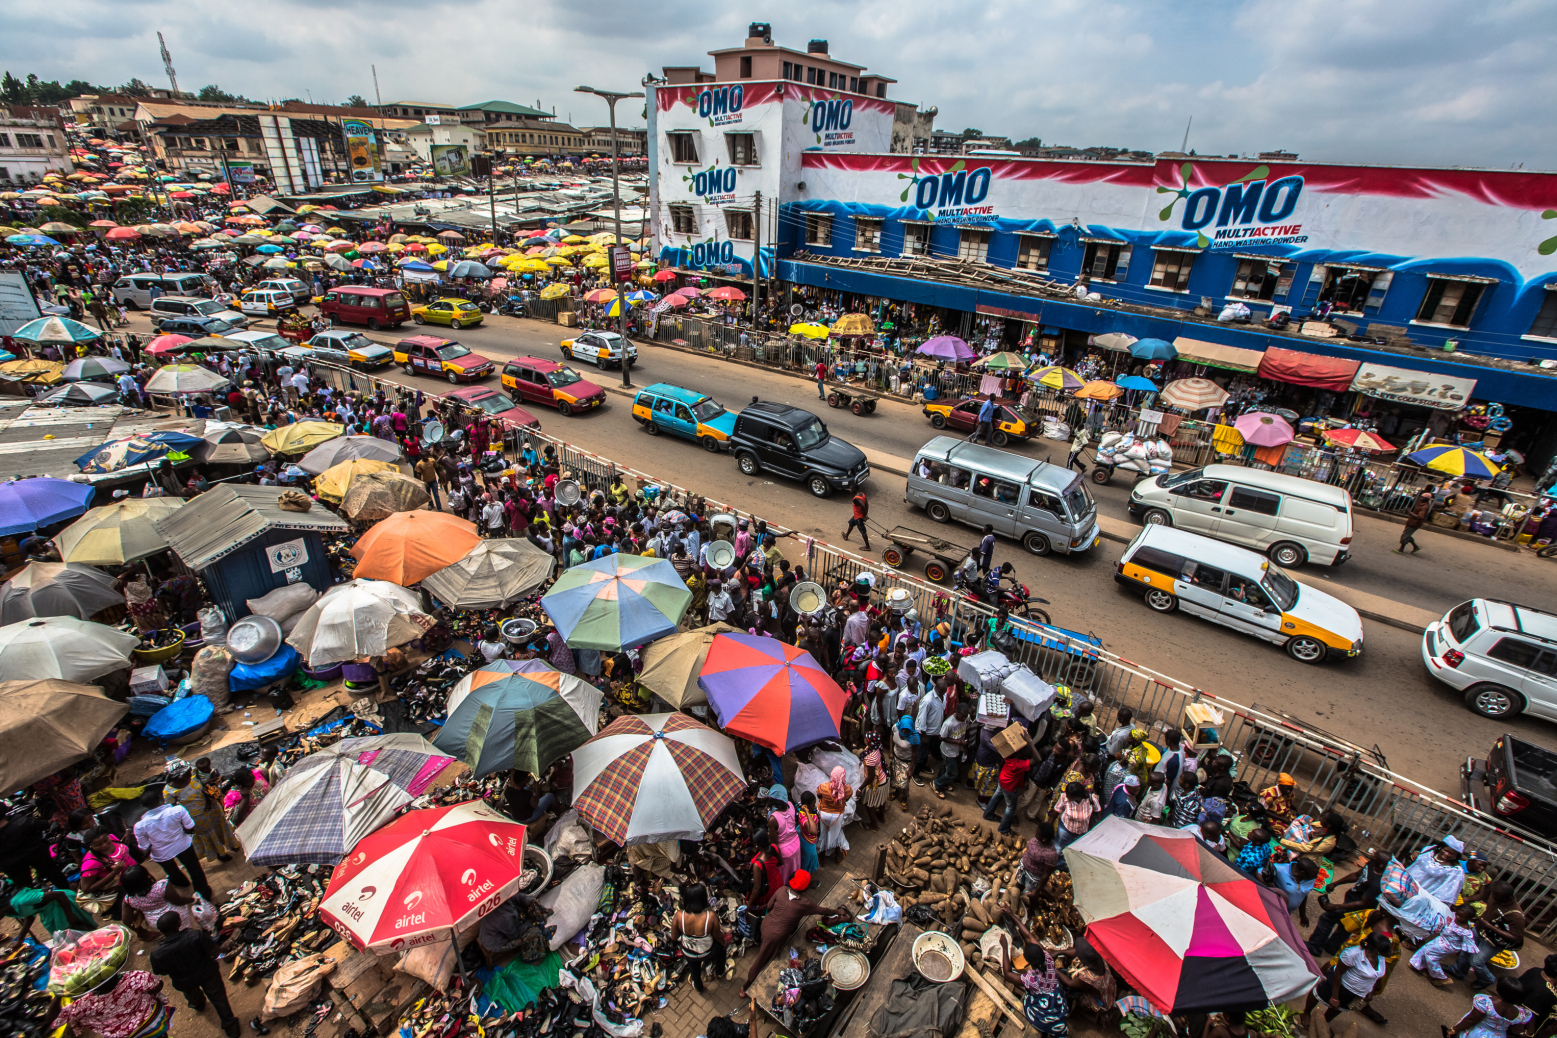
<point x="134" y="450"/>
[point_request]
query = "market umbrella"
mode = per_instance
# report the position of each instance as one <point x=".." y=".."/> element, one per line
<point x="945" y="347"/>
<point x="223" y="443"/>
<point x="408" y="546"/>
<point x="1456" y="461"/>
<point x="809" y="330"/>
<point x="332" y="798"/>
<point x="1003" y="361"/>
<point x="62" y="647"/>
<point x="118" y="534"/>
<point x="494" y="573"/>
<point x="849" y="324"/>
<point x="347" y="448"/>
<point x="470" y="269"/>
<point x="1193" y="394"/>
<point x="1136" y="382"/>
<point x="600" y="295"/>
<point x="1359" y="439"/>
<point x="136" y="450"/>
<point x="163" y="344"/>
<point x="667" y="275"/>
<point x="300" y="437"/>
<point x="56" y="331"/>
<point x="35" y="370"/>
<point x="1181" y="925"/>
<point x="335" y="481"/>
<point x="26" y="504"/>
<point x="771" y="693"/>
<point x="1056" y="377"/>
<point x="527" y="719"/>
<point x="426" y="874"/>
<point x="554" y="291"/>
<point x="652" y="777"/>
<point x="94" y="367"/>
<point x="184" y="378"/>
<point x="1263" y="430"/>
<point x="671" y="666"/>
<point x="56" y="589"/>
<point x="727" y="293"/>
<point x="1153" y="349"/>
<point x="357" y="619"/>
<point x="618" y="602"/>
<point x="47" y="724"/>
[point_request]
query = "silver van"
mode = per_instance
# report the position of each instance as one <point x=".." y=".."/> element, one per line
<point x="134" y="291"/>
<point x="1293" y="520"/>
<point x="1044" y="506"/>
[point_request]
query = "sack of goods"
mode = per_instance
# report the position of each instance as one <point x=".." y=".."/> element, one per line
<point x="1054" y="429"/>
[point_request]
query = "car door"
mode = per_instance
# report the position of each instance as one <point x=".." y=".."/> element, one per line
<point x="685" y="424"/>
<point x="995" y="500"/>
<point x="1199" y="590"/>
<point x="422" y="360"/>
<point x="585" y="347"/>
<point x="1246" y="607"/>
<point x="1249" y="516"/>
<point x="1197" y="505"/>
<point x="965" y="415"/>
<point x="1043" y="512"/>
<point x="535" y="387"/>
<point x="665" y="414"/>
<point x="1540" y="685"/>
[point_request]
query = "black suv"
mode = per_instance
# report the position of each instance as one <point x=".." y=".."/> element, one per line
<point x="195" y="325"/>
<point x="790" y="442"/>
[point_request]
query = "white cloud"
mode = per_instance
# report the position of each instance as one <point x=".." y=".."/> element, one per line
<point x="1432" y="82"/>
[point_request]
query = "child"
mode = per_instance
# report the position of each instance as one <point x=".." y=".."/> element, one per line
<point x="810" y="829"/>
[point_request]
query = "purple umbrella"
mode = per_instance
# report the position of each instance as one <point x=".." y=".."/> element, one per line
<point x="946" y="347"/>
<point x="26" y="504"/>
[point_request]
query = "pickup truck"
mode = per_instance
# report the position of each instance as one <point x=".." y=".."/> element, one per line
<point x="1517" y="784"/>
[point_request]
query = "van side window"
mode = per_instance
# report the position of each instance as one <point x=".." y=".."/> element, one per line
<point x="1202" y="489"/>
<point x="1515" y="652"/>
<point x="1201" y="575"/>
<point x="956" y="478"/>
<point x="1159" y="560"/>
<point x="1046" y="501"/>
<point x="1255" y="501"/>
<point x="662" y="405"/>
<point x="682" y="413"/>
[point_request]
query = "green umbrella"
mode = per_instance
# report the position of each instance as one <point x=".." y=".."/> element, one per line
<point x="518" y="714"/>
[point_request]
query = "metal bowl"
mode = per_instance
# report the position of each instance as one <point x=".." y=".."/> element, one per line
<point x="847" y="968"/>
<point x="937" y="957"/>
<point x="518" y="630"/>
<point x="254" y="639"/>
<point x="721" y="554"/>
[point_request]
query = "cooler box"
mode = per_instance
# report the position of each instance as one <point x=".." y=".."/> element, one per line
<point x="1027" y="693"/>
<point x="149" y="680"/>
<point x="985" y="670"/>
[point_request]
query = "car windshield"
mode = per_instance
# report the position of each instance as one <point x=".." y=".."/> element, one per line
<point x="1078" y="502"/>
<point x="266" y="342"/>
<point x="811" y="434"/>
<point x="1282" y="589"/>
<point x="209" y="308"/>
<point x="707" y="409"/>
<point x="451" y="351"/>
<point x="356" y="339"/>
<point x="1168" y="482"/>
<point x="215" y="327"/>
<point x="491" y="403"/>
<point x="563" y="376"/>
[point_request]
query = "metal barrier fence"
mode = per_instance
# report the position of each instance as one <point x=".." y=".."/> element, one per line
<point x="1384" y="809"/>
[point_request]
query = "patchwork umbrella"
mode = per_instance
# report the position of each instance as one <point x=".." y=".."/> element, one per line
<point x="495" y="573"/>
<point x="1153" y="349"/>
<point x="184" y="378"/>
<point x="946" y="347"/>
<point x="426" y="875"/>
<point x="224" y="443"/>
<point x="1112" y="341"/>
<point x="671" y="666"/>
<point x="510" y="718"/>
<point x="117" y="534"/>
<point x="36" y="371"/>
<point x="347" y="448"/>
<point x="56" y="589"/>
<point x="852" y="324"/>
<point x="1456" y="461"/>
<point x="1193" y="394"/>
<point x="1005" y="360"/>
<point x="1360" y="439"/>
<point x="771" y="693"/>
<point x="46" y="725"/>
<point x="358" y="619"/>
<point x="62" y="647"/>
<point x="1263" y="430"/>
<point x="618" y="602"/>
<point x="652" y="777"/>
<point x="1185" y="928"/>
<point x="134" y="450"/>
<point x="408" y="546"/>
<point x="1056" y="377"/>
<point x="26" y="504"/>
<point x="378" y="495"/>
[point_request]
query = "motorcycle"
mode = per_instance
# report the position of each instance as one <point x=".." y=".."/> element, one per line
<point x="1017" y="598"/>
<point x="512" y="306"/>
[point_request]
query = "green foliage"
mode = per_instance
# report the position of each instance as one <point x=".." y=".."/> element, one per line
<point x="1030" y="144"/>
<point x="970" y="133"/>
<point x="134" y="88"/>
<point x="131" y="211"/>
<point x="35" y="91"/>
<point x="357" y="101"/>
<point x="1277" y="1021"/>
<point x="212" y="92"/>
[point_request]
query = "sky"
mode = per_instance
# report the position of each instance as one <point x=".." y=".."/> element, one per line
<point x="1420" y="82"/>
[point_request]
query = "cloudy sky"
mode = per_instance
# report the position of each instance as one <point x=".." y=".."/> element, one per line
<point x="1430" y="82"/>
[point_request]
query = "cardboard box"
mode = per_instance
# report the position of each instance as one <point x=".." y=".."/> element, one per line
<point x="567" y="318"/>
<point x="1010" y="739"/>
<point x="148" y="680"/>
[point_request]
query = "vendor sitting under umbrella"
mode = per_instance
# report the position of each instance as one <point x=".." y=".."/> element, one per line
<point x="517" y="925"/>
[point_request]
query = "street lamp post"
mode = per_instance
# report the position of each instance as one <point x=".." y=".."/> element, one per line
<point x="611" y="98"/>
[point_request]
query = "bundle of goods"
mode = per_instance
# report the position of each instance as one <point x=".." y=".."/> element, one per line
<point x="276" y="920"/>
<point x="1125" y="451"/>
<point x="82" y="960"/>
<point x="1055" y="429"/>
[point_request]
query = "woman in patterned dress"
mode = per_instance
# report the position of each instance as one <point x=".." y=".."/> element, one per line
<point x="212" y="833"/>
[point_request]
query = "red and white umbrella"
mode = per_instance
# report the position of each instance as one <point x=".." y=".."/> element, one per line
<point x="425" y="875"/>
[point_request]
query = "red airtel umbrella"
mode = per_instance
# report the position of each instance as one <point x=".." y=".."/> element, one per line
<point x="1361" y="439"/>
<point x="424" y="876"/>
<point x="727" y="292"/>
<point x="667" y="275"/>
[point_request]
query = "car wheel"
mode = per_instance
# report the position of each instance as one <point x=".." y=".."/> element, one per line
<point x="1036" y="543"/>
<point x="819" y="486"/>
<point x="938" y="511"/>
<point x="407" y="368"/>
<point x="999" y="438"/>
<point x="335" y="321"/>
<point x="454" y="379"/>
<point x="418" y="318"/>
<point x="832" y="400"/>
<point x="937" y="421"/>
<point x="1161" y="601"/>
<point x="749" y="464"/>
<point x="600" y="362"/>
<point x="710" y="444"/>
<point x="1494" y="701"/>
<point x="1101" y="474"/>
<point x="565" y="409"/>
<point x="454" y="324"/>
<point x="373" y="324"/>
<point x="1307" y="650"/>
<point x="1156" y="517"/>
<point x="130" y="304"/>
<point x="652" y="429"/>
<point x="1288" y="555"/>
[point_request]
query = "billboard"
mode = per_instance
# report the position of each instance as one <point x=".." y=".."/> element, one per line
<point x="450" y="160"/>
<point x="1421" y="388"/>
<point x="240" y="172"/>
<point x="362" y="151"/>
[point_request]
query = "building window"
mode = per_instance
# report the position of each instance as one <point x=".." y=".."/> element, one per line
<point x="819" y="229"/>
<point x="867" y="235"/>
<point x="881" y="90"/>
<point x="5" y="140"/>
<point x="1352" y="289"/>
<point x="683" y="147"/>
<point x="746" y="66"/>
<point x="916" y="239"/>
<point x="743" y="148"/>
<point x="1450" y="302"/>
<point x="854" y="84"/>
<point x="1034" y="254"/>
<point x="681" y="220"/>
<point x="789" y="70"/>
<point x="29" y="140"/>
<point x="812" y="75"/>
<point x="1545" y="324"/>
<point x="1171" y="270"/>
<point x="1259" y="279"/>
<point x="973" y="246"/>
<point x="738" y="222"/>
<point x="1105" y="261"/>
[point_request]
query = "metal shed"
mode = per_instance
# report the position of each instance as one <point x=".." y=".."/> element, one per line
<point x="244" y="544"/>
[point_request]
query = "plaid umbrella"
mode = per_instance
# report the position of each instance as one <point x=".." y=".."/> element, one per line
<point x="522" y="714"/>
<point x="618" y="602"/>
<point x="653" y="777"/>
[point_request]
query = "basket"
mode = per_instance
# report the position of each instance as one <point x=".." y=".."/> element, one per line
<point x="148" y="657"/>
<point x="937" y="957"/>
<point x="847" y="968"/>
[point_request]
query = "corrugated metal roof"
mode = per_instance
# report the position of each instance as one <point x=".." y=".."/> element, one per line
<point x="225" y="518"/>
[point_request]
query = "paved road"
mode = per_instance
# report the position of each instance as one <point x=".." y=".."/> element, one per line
<point x="1383" y="697"/>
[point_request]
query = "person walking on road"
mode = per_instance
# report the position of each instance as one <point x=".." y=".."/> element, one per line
<point x="1078" y="443"/>
<point x="1414" y="521"/>
<point x="821" y="379"/>
<point x="986" y="424"/>
<point x="861" y="505"/>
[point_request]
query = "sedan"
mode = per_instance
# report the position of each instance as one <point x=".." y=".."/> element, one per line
<point x="963" y="415"/>
<point x="495" y="404"/>
<point x="602" y="349"/>
<point x="456" y="313"/>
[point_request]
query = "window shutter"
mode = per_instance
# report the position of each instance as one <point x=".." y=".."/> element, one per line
<point x="1376" y="292"/>
<point x="1316" y="281"/>
<point x="1123" y="266"/>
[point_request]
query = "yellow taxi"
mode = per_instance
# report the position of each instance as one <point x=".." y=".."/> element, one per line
<point x="456" y="313"/>
<point x="963" y="415"/>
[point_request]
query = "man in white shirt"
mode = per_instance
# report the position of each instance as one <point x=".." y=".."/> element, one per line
<point x="929" y="715"/>
<point x="284" y="373"/>
<point x="720" y="604"/>
<point x="299" y="384"/>
<point x="129" y="392"/>
<point x="492" y="516"/>
<point x="163" y="833"/>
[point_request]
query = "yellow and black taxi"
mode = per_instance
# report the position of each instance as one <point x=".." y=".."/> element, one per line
<point x="687" y="413"/>
<point x="537" y="381"/>
<point x="456" y="313"/>
<point x="1238" y="589"/>
<point x="431" y="355"/>
<point x="963" y="415"/>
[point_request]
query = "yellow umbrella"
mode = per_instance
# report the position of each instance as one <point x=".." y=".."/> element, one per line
<point x="603" y="238"/>
<point x="40" y="372"/>
<point x="554" y="291"/>
<point x="574" y="239"/>
<point x="441" y="265"/>
<point x="394" y="246"/>
<point x="594" y="261"/>
<point x="1099" y="390"/>
<point x="810" y="331"/>
<point x="854" y="324"/>
<point x="434" y="249"/>
<point x="300" y="437"/>
<point x="334" y="481"/>
<point x="559" y="261"/>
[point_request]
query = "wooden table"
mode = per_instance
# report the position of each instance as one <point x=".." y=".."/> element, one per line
<point x="839" y="896"/>
<point x="895" y="963"/>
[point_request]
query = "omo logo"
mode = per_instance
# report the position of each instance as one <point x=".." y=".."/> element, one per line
<point x="717" y="101"/>
<point x="710" y="182"/>
<point x="1247" y="200"/>
<point x="709" y="253"/>
<point x="829" y="115"/>
<point x="957" y="186"/>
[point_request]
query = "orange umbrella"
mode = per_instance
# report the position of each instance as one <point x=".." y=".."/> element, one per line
<point x="1098" y="391"/>
<point x="411" y="545"/>
<point x="600" y="295"/>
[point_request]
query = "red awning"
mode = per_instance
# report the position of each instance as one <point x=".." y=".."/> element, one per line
<point x="1308" y="369"/>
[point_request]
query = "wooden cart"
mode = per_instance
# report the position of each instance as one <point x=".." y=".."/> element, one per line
<point x="947" y="554"/>
<point x="857" y="399"/>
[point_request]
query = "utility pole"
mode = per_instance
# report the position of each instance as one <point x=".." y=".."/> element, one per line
<point x="167" y="63"/>
<point x="756" y="254"/>
<point x="1184" y="148"/>
<point x="376" y="95"/>
<point x="616" y="201"/>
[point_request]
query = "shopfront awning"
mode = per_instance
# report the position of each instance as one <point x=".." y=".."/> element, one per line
<point x="1308" y="369"/>
<point x="1214" y="354"/>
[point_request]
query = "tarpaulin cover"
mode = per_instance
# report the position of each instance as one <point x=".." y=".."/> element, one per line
<point x="1308" y="369"/>
<point x="245" y="676"/>
<point x="1215" y="355"/>
<point x="183" y="717"/>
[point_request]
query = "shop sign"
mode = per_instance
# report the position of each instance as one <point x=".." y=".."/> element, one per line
<point x="829" y="119"/>
<point x="704" y="255"/>
<point x="288" y="555"/>
<point x="951" y="197"/>
<point x="621" y="262"/>
<point x="1249" y="211"/>
<point x="1418" y="388"/>
<point x="721" y="106"/>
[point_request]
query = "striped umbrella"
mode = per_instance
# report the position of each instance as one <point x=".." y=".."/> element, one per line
<point x="618" y="602"/>
<point x="504" y="717"/>
<point x="652" y="777"/>
<point x="1003" y="361"/>
<point x="1056" y="377"/>
<point x="1193" y="394"/>
<point x="771" y="693"/>
<point x="94" y="367"/>
<point x="1359" y="439"/>
<point x="1456" y="461"/>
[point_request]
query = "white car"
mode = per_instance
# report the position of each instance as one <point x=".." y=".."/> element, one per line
<point x="1501" y="656"/>
<point x="602" y="349"/>
<point x="353" y="348"/>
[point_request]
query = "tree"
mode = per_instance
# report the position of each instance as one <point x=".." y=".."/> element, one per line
<point x="970" y="133"/>
<point x="134" y="88"/>
<point x="357" y="101"/>
<point x="13" y="90"/>
<point x="77" y="87"/>
<point x="1030" y="144"/>
<point x="212" y="92"/>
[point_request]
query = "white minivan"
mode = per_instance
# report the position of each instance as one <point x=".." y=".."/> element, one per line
<point x="136" y="291"/>
<point x="1292" y="520"/>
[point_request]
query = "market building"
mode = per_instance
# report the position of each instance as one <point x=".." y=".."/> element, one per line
<point x="32" y="143"/>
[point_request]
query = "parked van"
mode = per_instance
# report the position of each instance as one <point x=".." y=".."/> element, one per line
<point x="1292" y="520"/>
<point x="359" y="304"/>
<point x="134" y="291"/>
<point x="266" y="302"/>
<point x="1238" y="589"/>
<point x="1044" y="506"/>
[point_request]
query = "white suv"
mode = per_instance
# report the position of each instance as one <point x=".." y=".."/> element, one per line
<point x="1502" y="656"/>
